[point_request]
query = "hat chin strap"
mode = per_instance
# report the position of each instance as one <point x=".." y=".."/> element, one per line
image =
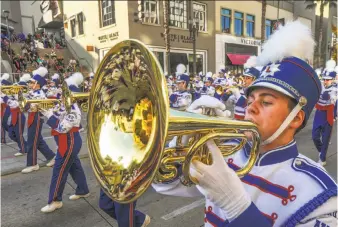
<point x="287" y="121"/>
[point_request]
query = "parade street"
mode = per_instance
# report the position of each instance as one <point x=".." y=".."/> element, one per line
<point x="23" y="195"/>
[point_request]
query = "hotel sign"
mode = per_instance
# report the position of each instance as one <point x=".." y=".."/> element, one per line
<point x="250" y="42"/>
<point x="108" y="37"/>
<point x="178" y="38"/>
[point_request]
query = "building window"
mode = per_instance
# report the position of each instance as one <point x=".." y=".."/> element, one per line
<point x="226" y="20"/>
<point x="200" y="13"/>
<point x="250" y="25"/>
<point x="150" y="11"/>
<point x="268" y="28"/>
<point x="238" y="23"/>
<point x="72" y="27"/>
<point x="107" y="9"/>
<point x="178" y="14"/>
<point x="80" y="21"/>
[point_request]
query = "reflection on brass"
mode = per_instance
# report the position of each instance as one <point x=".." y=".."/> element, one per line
<point x="36" y="104"/>
<point x="69" y="98"/>
<point x="13" y="89"/>
<point x="129" y="124"/>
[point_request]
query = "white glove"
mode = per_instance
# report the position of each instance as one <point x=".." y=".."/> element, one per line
<point x="225" y="113"/>
<point x="12" y="103"/>
<point x="47" y="113"/>
<point x="206" y="101"/>
<point x="235" y="92"/>
<point x="220" y="184"/>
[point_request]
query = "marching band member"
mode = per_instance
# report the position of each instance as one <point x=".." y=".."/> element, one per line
<point x="284" y="188"/>
<point x="324" y="117"/>
<point x="18" y="119"/>
<point x="208" y="89"/>
<point x="35" y="122"/>
<point x="124" y="214"/>
<point x="181" y="98"/>
<point x="197" y="92"/>
<point x="54" y="90"/>
<point x="5" y="110"/>
<point x="66" y="132"/>
<point x="250" y="74"/>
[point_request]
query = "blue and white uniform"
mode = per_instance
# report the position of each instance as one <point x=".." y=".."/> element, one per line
<point x="324" y="118"/>
<point x="285" y="188"/>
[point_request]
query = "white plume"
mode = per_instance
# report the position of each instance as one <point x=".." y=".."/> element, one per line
<point x="319" y="71"/>
<point x="76" y="79"/>
<point x="42" y="71"/>
<point x="251" y="62"/>
<point x="292" y="40"/>
<point x="330" y="64"/>
<point x="55" y="76"/>
<point x="25" y="77"/>
<point x="336" y="69"/>
<point x="180" y="69"/>
<point x="209" y="74"/>
<point x="92" y="74"/>
<point x="221" y="67"/>
<point x="5" y="76"/>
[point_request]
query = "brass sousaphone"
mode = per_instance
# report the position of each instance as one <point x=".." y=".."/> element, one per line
<point x="130" y="123"/>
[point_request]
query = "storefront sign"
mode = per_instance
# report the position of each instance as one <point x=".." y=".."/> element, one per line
<point x="251" y="42"/>
<point x="178" y="38"/>
<point x="108" y="37"/>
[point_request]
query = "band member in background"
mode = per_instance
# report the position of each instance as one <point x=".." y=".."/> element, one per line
<point x="5" y="110"/>
<point x="66" y="133"/>
<point x="18" y="120"/>
<point x="181" y="98"/>
<point x="35" y="122"/>
<point x="324" y="117"/>
<point x="251" y="73"/>
<point x="124" y="214"/>
<point x="284" y="188"/>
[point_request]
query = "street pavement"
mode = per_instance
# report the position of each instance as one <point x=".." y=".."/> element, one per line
<point x="23" y="195"/>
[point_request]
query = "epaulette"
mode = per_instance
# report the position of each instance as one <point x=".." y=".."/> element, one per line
<point x="319" y="175"/>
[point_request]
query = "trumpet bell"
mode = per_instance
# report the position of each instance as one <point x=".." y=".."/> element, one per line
<point x="129" y="123"/>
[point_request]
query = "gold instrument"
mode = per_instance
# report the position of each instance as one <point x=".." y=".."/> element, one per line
<point x="129" y="124"/>
<point x="39" y="104"/>
<point x="13" y="89"/>
<point x="69" y="98"/>
<point x="219" y="89"/>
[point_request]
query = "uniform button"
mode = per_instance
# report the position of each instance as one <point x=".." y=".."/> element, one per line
<point x="298" y="162"/>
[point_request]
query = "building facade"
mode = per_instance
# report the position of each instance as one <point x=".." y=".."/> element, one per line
<point x="238" y="28"/>
<point x="93" y="27"/>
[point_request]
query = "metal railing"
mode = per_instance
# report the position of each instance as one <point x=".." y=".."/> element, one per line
<point x="71" y="49"/>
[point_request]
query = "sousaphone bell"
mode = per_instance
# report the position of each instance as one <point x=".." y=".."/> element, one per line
<point x="130" y="124"/>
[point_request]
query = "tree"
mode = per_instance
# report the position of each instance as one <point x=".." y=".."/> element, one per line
<point x="263" y="21"/>
<point x="312" y="4"/>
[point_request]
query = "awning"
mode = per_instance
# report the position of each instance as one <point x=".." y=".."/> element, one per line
<point x="238" y="59"/>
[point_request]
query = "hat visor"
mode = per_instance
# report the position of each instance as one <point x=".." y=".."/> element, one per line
<point x="327" y="78"/>
<point x="31" y="81"/>
<point x="247" y="74"/>
<point x="270" y="86"/>
<point x="179" y="81"/>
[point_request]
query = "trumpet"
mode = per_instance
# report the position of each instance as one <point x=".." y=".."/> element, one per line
<point x="223" y="89"/>
<point x="129" y="123"/>
<point x="13" y="89"/>
<point x="39" y="104"/>
<point x="69" y="98"/>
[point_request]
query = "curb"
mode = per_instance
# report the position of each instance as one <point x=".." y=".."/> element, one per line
<point x="18" y="169"/>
